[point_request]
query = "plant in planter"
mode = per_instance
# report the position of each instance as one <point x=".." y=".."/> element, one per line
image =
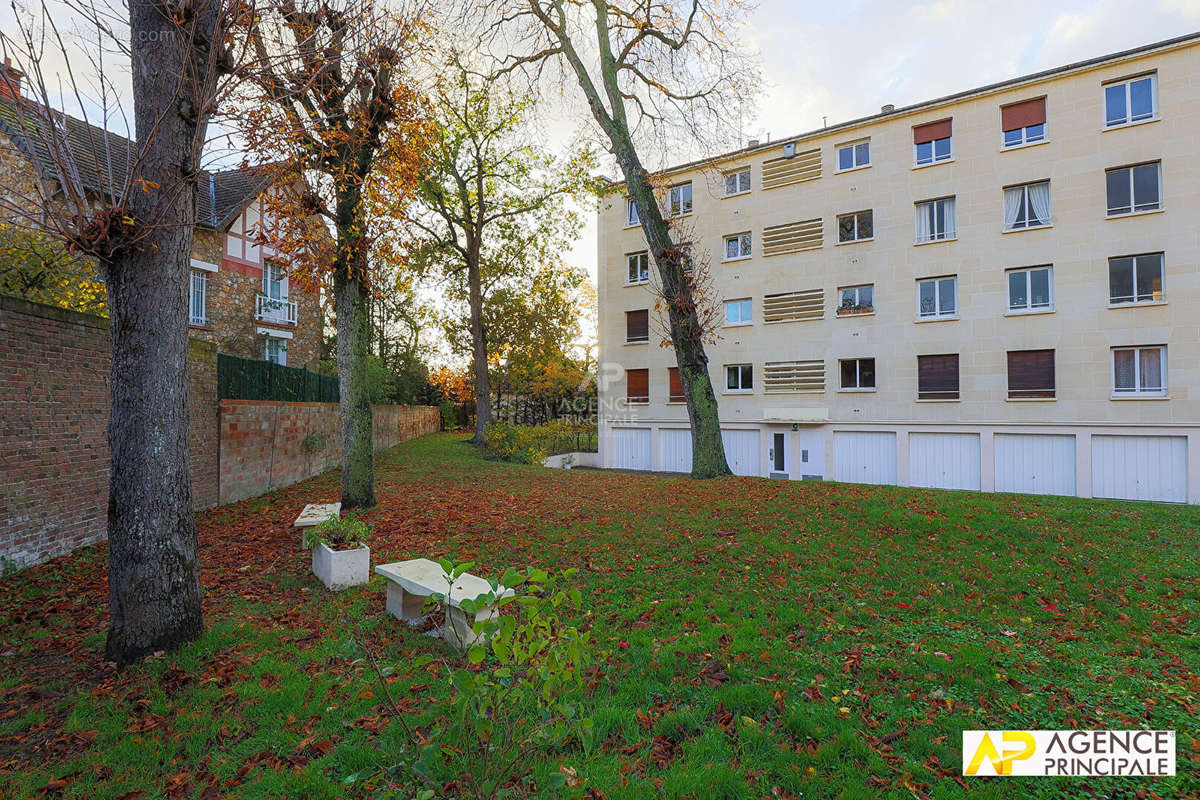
<point x="851" y="308"/>
<point x="340" y="556"/>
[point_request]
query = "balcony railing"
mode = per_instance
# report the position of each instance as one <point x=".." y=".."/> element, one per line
<point x="268" y="309"/>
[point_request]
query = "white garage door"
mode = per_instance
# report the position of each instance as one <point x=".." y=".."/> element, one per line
<point x="742" y="452"/>
<point x="676" y="449"/>
<point x="944" y="460"/>
<point x="631" y="448"/>
<point x="1140" y="468"/>
<point x="1035" y="463"/>
<point x="864" y="457"/>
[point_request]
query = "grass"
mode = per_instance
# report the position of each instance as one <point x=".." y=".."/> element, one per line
<point x="755" y="639"/>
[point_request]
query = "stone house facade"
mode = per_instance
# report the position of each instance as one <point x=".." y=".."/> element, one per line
<point x="237" y="298"/>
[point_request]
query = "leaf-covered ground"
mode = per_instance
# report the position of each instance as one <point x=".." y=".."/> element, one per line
<point x="754" y="638"/>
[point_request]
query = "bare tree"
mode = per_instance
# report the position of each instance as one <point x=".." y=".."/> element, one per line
<point x="130" y="205"/>
<point x="332" y="100"/>
<point x="665" y="70"/>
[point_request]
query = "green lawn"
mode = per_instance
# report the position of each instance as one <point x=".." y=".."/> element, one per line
<point x="755" y="639"/>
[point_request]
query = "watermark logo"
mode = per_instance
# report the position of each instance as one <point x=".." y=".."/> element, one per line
<point x="1089" y="754"/>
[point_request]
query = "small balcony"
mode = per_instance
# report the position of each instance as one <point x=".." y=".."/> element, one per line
<point x="281" y="312"/>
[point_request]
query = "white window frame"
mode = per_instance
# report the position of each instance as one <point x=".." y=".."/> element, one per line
<point x="677" y="205"/>
<point x="743" y="245"/>
<point x="1127" y="83"/>
<point x="1026" y="136"/>
<point x="855" y="215"/>
<point x="951" y="231"/>
<point x="1029" y="307"/>
<point x="857" y="387"/>
<point x="632" y="218"/>
<point x="745" y="312"/>
<point x="270" y="267"/>
<point x="202" y="284"/>
<point x="857" y="289"/>
<point x="933" y="155"/>
<point x="1028" y="208"/>
<point x="282" y="348"/>
<point x="1134" y="301"/>
<point x="630" y="259"/>
<point x="1133" y="208"/>
<point x="937" y="312"/>
<point x="854" y="162"/>
<point x="740" y="373"/>
<point x="1137" y="390"/>
<point x="741" y="181"/>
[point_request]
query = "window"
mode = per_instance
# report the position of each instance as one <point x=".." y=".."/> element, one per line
<point x="681" y="199"/>
<point x="1129" y="101"/>
<point x="675" y="386"/>
<point x="1024" y="123"/>
<point x="276" y="350"/>
<point x="737" y="182"/>
<point x="1027" y="206"/>
<point x="1031" y="289"/>
<point x="631" y="213"/>
<point x="937" y="297"/>
<point x="197" y="298"/>
<point x="637" y="326"/>
<point x="937" y="377"/>
<point x="794" y="376"/>
<point x="1132" y="189"/>
<point x="737" y="246"/>
<point x="857" y="373"/>
<point x="274" y="283"/>
<point x="856" y="227"/>
<point x="932" y="142"/>
<point x="738" y="312"/>
<point x="739" y="378"/>
<point x="854" y="155"/>
<point x="1139" y="371"/>
<point x="637" y="385"/>
<point x="935" y="220"/>
<point x="794" y="306"/>
<point x="637" y="267"/>
<point x="856" y="300"/>
<point x="1030" y="374"/>
<point x="1135" y="279"/>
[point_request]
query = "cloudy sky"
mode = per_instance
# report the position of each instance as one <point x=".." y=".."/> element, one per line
<point x="845" y="59"/>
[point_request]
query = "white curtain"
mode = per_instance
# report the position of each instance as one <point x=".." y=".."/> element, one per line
<point x="924" y="222"/>
<point x="1012" y="205"/>
<point x="1151" y="369"/>
<point x="1123" y="370"/>
<point x="949" y="231"/>
<point x="1039" y="200"/>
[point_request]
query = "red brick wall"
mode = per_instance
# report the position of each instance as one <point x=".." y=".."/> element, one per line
<point x="266" y="445"/>
<point x="54" y="367"/>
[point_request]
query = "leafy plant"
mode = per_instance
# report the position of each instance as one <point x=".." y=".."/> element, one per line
<point x="345" y="533"/>
<point x="529" y="444"/>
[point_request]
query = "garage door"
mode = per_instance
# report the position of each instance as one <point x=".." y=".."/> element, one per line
<point x="944" y="460"/>
<point x="676" y="449"/>
<point x="1140" y="467"/>
<point x="864" y="457"/>
<point x="631" y="448"/>
<point x="1035" y="463"/>
<point x="742" y="452"/>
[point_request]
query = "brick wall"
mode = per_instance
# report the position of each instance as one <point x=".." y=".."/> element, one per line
<point x="266" y="445"/>
<point x="54" y="373"/>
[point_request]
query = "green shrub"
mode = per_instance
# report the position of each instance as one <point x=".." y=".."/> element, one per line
<point x="345" y="533"/>
<point x="529" y="444"/>
<point x="449" y="415"/>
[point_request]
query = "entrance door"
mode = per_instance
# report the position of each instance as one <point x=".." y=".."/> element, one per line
<point x="778" y="455"/>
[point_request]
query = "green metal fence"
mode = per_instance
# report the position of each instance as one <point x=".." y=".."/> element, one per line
<point x="247" y="379"/>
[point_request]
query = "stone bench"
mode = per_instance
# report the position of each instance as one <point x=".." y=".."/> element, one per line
<point x="410" y="583"/>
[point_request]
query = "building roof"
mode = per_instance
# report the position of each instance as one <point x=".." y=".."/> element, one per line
<point x="1190" y="38"/>
<point x="101" y="160"/>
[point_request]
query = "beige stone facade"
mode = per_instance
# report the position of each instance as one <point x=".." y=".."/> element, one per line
<point x="1118" y="418"/>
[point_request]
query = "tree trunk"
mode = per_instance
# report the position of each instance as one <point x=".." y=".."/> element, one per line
<point x="483" y="392"/>
<point x="708" y="450"/>
<point x="153" y="572"/>
<point x="353" y="347"/>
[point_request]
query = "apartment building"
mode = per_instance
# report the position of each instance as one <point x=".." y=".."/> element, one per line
<point x="996" y="290"/>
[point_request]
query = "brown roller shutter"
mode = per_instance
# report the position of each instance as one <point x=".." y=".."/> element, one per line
<point x="1031" y="373"/>
<point x="937" y="377"/>
<point x="1024" y="114"/>
<point x="932" y="130"/>
<point x="637" y="385"/>
<point x="637" y="326"/>
<point x="674" y="385"/>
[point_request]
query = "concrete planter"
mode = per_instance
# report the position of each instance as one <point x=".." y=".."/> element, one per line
<point x="339" y="569"/>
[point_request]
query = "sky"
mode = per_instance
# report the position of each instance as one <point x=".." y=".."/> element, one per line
<point x="841" y="60"/>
